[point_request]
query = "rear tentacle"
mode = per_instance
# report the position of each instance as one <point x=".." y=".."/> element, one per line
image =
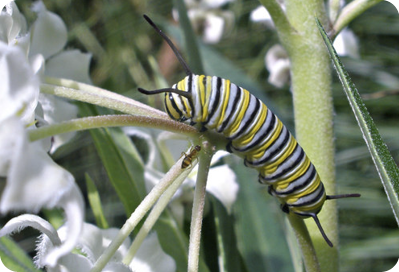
<point x="341" y="196"/>
<point x="316" y="219"/>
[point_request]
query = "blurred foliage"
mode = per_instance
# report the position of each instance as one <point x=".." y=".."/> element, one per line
<point x="122" y="42"/>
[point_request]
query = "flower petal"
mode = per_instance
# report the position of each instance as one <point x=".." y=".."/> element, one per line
<point x="223" y="185"/>
<point x="57" y="110"/>
<point x="346" y="44"/>
<point x="72" y="263"/>
<point x="72" y="203"/>
<point x="213" y="28"/>
<point x="29" y="220"/>
<point x="71" y="64"/>
<point x="213" y="4"/>
<point x="19" y="87"/>
<point x="261" y="15"/>
<point x="31" y="172"/>
<point x="278" y="64"/>
<point x="12" y="23"/>
<point x="151" y="258"/>
<point x="49" y="33"/>
<point x="5" y="26"/>
<point x="116" y="267"/>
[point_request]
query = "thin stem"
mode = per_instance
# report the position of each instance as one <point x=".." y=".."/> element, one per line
<point x="333" y="8"/>
<point x="110" y="121"/>
<point x="97" y="96"/>
<point x="305" y="243"/>
<point x="350" y="12"/>
<point x="154" y="215"/>
<point x="198" y="209"/>
<point x="280" y="20"/>
<point x="138" y="214"/>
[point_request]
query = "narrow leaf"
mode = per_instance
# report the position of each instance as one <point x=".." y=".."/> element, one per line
<point x="259" y="225"/>
<point x="122" y="162"/>
<point x="14" y="257"/>
<point x="386" y="166"/>
<point x="174" y="242"/>
<point x="191" y="45"/>
<point x="95" y="203"/>
<point x="229" y="255"/>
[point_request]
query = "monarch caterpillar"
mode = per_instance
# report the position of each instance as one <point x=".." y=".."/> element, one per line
<point x="254" y="133"/>
<point x="188" y="158"/>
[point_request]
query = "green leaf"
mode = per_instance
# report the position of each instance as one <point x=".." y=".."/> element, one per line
<point x="174" y="242"/>
<point x="385" y="164"/>
<point x="95" y="203"/>
<point x="259" y="224"/>
<point x="229" y="255"/>
<point x="191" y="44"/>
<point x="14" y="257"/>
<point x="121" y="161"/>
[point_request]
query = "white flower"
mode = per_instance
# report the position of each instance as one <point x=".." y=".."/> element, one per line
<point x="261" y="15"/>
<point x="208" y="19"/>
<point x="49" y="33"/>
<point x="19" y="86"/>
<point x="278" y="65"/>
<point x="346" y="44"/>
<point x="276" y="59"/>
<point x="12" y="24"/>
<point x="49" y="36"/>
<point x="151" y="258"/>
<point x="91" y="243"/>
<point x="34" y="181"/>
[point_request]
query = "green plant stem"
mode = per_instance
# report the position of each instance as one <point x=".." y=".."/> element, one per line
<point x="154" y="215"/>
<point x="97" y="96"/>
<point x="138" y="214"/>
<point x="350" y="12"/>
<point x="279" y="17"/>
<point x="198" y="209"/>
<point x="333" y="8"/>
<point x="111" y="121"/>
<point x="303" y="238"/>
<point x="312" y="97"/>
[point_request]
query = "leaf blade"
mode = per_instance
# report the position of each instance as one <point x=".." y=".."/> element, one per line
<point x="385" y="164"/>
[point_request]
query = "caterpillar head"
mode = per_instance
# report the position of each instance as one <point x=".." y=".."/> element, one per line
<point x="177" y="107"/>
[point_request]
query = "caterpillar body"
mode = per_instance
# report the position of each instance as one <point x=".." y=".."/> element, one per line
<point x="188" y="158"/>
<point x="254" y="133"/>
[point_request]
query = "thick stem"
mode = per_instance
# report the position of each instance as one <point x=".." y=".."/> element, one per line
<point x="311" y="87"/>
